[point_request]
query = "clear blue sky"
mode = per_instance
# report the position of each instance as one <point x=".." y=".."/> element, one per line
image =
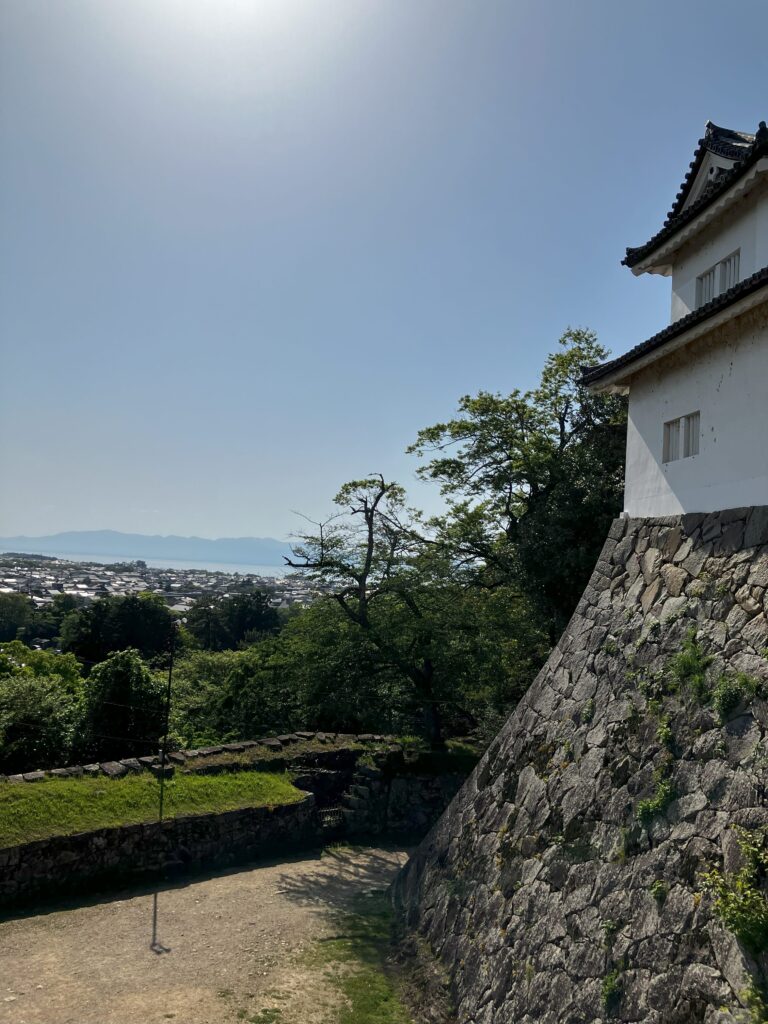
<point x="250" y="247"/>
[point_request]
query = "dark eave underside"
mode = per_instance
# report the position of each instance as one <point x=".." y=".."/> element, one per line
<point x="745" y="156"/>
<point x="751" y="284"/>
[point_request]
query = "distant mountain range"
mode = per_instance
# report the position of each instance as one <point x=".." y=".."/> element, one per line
<point x="100" y="543"/>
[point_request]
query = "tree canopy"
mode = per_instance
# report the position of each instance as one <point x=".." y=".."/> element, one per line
<point x="140" y="621"/>
<point x="532" y="479"/>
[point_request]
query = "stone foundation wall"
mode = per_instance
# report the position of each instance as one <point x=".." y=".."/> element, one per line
<point x="64" y="865"/>
<point x="406" y="805"/>
<point x="563" y="884"/>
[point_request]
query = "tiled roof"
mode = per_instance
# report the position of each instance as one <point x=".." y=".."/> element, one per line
<point x="744" y="149"/>
<point x="751" y="284"/>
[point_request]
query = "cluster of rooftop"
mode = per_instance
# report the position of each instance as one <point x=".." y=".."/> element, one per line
<point x="42" y="579"/>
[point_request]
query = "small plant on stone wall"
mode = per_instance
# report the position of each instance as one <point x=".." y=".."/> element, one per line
<point x="688" y="669"/>
<point x="587" y="712"/>
<point x="659" y="890"/>
<point x="663" y="795"/>
<point x="611" y="989"/>
<point x="739" y="899"/>
<point x="610" y="927"/>
<point x="733" y="692"/>
<point x="754" y="998"/>
<point x="655" y="707"/>
<point x="664" y="731"/>
<point x="610" y="647"/>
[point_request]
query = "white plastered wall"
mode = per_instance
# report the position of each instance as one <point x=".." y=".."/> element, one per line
<point x="725" y="377"/>
<point x="743" y="227"/>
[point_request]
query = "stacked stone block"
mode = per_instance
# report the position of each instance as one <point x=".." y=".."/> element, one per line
<point x="559" y="887"/>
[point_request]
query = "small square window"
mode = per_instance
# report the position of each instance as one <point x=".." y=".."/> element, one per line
<point x="681" y="437"/>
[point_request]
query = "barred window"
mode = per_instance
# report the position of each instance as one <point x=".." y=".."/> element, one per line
<point x="718" y="279"/>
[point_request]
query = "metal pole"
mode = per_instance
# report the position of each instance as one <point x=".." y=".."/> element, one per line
<point x="155" y="945"/>
<point x="164" y="747"/>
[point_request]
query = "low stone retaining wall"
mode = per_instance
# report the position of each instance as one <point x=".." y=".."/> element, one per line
<point x="404" y="805"/>
<point x="271" y="746"/>
<point x="63" y="865"/>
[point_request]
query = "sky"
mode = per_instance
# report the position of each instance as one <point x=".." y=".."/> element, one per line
<point x="248" y="248"/>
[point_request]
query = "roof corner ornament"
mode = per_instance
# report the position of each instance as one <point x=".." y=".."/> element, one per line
<point x="761" y="135"/>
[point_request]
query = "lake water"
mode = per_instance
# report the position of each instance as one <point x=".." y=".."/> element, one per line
<point x="276" y="571"/>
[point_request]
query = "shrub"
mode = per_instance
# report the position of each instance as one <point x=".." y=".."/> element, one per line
<point x="739" y="901"/>
<point x="662" y="797"/>
<point x="731" y="692"/>
<point x="659" y="890"/>
<point x="689" y="668"/>
<point x="611" y="989"/>
<point x="664" y="731"/>
<point x="124" y="708"/>
<point x="587" y="712"/>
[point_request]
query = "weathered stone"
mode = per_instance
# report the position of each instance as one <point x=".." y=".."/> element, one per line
<point x="757" y="527"/>
<point x="575" y="850"/>
<point x="650" y="563"/>
<point x="675" y="579"/>
<point x="113" y="769"/>
<point x="755" y="633"/>
<point x="650" y="594"/>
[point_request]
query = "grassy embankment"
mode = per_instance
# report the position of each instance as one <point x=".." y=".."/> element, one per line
<point x="56" y="807"/>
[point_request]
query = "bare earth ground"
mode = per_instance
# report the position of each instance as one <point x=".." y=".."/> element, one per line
<point x="234" y="941"/>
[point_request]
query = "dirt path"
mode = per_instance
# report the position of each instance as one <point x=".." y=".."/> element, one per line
<point x="234" y="946"/>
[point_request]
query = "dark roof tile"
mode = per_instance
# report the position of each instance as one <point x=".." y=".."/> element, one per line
<point x="744" y="149"/>
<point x="592" y="374"/>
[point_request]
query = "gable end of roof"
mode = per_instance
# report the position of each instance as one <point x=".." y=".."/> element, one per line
<point x="744" y="149"/>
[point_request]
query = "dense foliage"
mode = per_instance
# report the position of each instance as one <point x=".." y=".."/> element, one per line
<point x="220" y="623"/>
<point x="433" y="626"/>
<point x="140" y="621"/>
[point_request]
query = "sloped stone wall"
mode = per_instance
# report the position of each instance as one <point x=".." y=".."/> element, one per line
<point x="548" y="893"/>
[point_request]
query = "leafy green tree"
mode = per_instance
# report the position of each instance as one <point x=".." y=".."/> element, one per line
<point x="221" y="623"/>
<point x="340" y="679"/>
<point x="370" y="557"/>
<point x="16" y="612"/>
<point x="140" y="621"/>
<point x="430" y="645"/>
<point x="532" y="480"/>
<point x="233" y="695"/>
<point x="46" y="621"/>
<point x="124" y="708"/>
<point x="41" y="706"/>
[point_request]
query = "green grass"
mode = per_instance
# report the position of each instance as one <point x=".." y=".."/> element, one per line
<point x="355" y="961"/>
<point x="57" y="807"/>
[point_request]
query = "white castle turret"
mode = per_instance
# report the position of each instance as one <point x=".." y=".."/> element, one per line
<point x="697" y="437"/>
